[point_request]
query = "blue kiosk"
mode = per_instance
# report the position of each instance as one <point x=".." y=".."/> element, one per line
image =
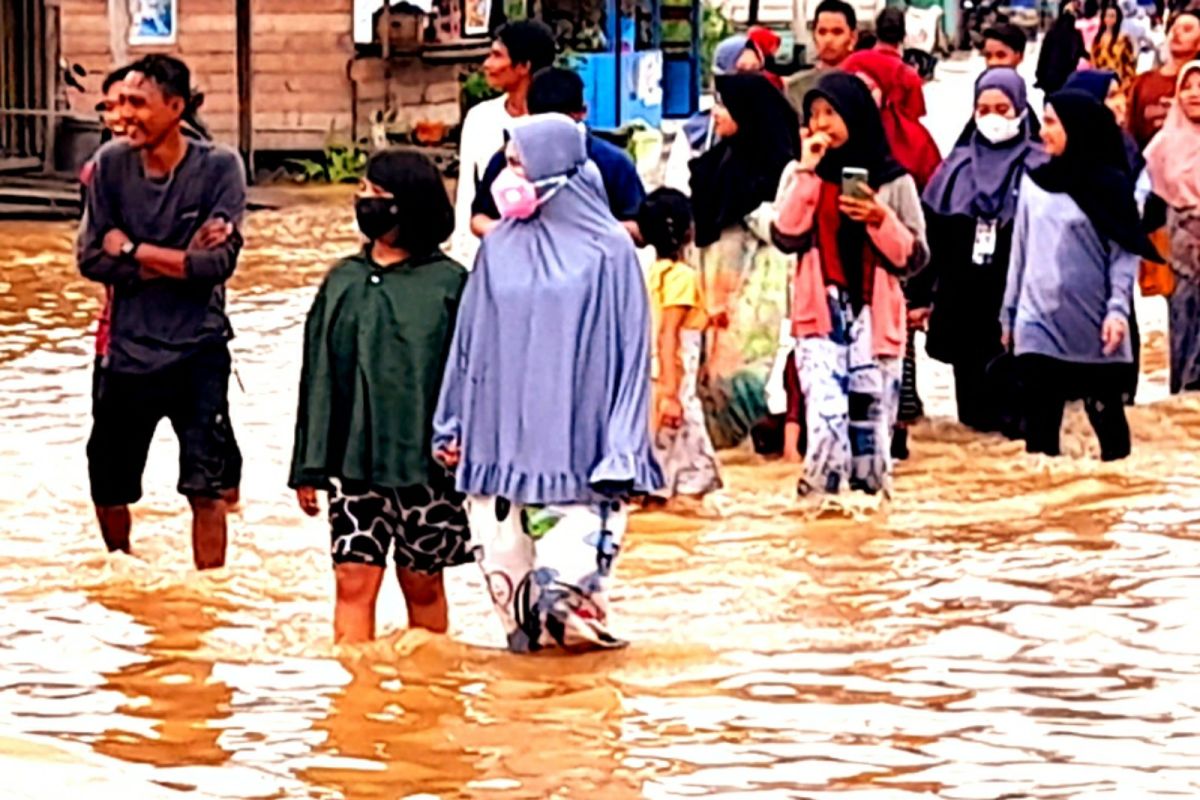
<point x="639" y="59"/>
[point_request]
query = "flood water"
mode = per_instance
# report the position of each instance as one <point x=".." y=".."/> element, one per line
<point x="1008" y="627"/>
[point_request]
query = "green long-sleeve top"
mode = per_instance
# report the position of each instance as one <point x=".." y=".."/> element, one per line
<point x="375" y="345"/>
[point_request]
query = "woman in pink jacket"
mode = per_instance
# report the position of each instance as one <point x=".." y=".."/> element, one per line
<point x="848" y="311"/>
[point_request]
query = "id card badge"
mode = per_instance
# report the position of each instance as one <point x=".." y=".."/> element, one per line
<point x="985" y="242"/>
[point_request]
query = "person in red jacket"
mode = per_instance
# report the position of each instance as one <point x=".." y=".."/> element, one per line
<point x="890" y="31"/>
<point x="911" y="143"/>
<point x="765" y="42"/>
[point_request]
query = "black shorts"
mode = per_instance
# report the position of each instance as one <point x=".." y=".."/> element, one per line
<point x="424" y="526"/>
<point x="126" y="408"/>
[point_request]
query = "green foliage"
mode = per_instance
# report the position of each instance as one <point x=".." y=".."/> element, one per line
<point x="339" y="163"/>
<point x="714" y="27"/>
<point x="475" y="90"/>
<point x="515" y="10"/>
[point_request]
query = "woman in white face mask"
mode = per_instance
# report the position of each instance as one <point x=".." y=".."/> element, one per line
<point x="971" y="202"/>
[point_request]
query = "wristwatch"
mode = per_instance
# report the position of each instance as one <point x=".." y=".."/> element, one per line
<point x="128" y="249"/>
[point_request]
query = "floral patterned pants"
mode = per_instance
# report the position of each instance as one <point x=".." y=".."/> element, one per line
<point x="851" y="401"/>
<point x="549" y="569"/>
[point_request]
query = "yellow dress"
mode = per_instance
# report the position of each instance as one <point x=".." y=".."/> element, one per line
<point x="686" y="453"/>
<point x="1121" y="59"/>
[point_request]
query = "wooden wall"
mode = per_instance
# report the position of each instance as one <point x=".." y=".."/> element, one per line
<point x="300" y="53"/>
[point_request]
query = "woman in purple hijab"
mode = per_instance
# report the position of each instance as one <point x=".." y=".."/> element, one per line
<point x="971" y="202"/>
<point x="544" y="406"/>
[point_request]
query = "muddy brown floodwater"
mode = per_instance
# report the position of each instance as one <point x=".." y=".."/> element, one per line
<point x="1007" y="628"/>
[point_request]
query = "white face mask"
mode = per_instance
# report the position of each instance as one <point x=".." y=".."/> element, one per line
<point x="996" y="128"/>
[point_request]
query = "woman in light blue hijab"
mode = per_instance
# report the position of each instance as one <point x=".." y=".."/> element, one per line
<point x="544" y="407"/>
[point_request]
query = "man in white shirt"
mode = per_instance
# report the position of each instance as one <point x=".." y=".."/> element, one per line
<point x="519" y="50"/>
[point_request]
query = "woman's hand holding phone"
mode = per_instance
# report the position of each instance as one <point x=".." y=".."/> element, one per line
<point x="865" y="209"/>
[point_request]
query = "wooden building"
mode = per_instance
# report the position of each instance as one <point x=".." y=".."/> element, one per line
<point x="273" y="72"/>
<point x="277" y="75"/>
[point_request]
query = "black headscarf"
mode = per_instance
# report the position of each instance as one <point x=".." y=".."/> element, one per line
<point x="740" y="173"/>
<point x="867" y="147"/>
<point x="1094" y="171"/>
<point x="1062" y="48"/>
<point x="1096" y="82"/>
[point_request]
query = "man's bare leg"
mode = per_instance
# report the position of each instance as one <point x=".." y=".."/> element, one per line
<point x="208" y="532"/>
<point x="115" y="522"/>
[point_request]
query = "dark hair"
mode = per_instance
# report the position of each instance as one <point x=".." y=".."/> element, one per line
<point x="1115" y="33"/>
<point x="529" y="41"/>
<point x="1008" y="34"/>
<point x="556" y="91"/>
<point x="170" y="74"/>
<point x="837" y="7"/>
<point x="174" y="79"/>
<point x="422" y="205"/>
<point x="890" y="26"/>
<point x="113" y="78"/>
<point x="1090" y="8"/>
<point x="665" y="220"/>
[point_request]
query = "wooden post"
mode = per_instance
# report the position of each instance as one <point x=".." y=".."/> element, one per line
<point x="51" y="15"/>
<point x="245" y="84"/>
<point x="386" y="50"/>
<point x="118" y="30"/>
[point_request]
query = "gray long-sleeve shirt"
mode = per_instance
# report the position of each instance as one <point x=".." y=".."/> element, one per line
<point x="157" y="322"/>
<point x="1063" y="281"/>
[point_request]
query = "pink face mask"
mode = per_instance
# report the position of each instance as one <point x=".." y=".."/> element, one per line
<point x="516" y="197"/>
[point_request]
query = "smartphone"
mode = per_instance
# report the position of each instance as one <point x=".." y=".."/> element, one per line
<point x="854" y="181"/>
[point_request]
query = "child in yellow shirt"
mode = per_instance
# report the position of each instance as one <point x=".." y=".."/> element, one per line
<point x="681" y="441"/>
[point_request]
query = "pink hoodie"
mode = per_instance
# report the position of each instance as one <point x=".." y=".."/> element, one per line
<point x="810" y="311"/>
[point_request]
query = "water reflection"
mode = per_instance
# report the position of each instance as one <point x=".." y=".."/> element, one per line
<point x="1009" y="627"/>
<point x="172" y="690"/>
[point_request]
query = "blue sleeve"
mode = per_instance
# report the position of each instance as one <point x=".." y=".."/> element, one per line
<point x="621" y="181"/>
<point x="483" y="202"/>
<point x="99" y="217"/>
<point x="626" y="194"/>
<point x="1016" y="267"/>
<point x="452" y="399"/>
<point x="1122" y="272"/>
<point x="228" y="202"/>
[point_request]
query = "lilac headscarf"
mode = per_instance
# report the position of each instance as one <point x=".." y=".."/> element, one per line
<point x="547" y="385"/>
<point x="979" y="179"/>
<point x="725" y="56"/>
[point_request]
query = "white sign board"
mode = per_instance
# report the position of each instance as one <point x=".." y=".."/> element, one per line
<point x="153" y="21"/>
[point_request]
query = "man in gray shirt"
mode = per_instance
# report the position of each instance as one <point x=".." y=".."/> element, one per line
<point x="161" y="231"/>
<point x="834" y="34"/>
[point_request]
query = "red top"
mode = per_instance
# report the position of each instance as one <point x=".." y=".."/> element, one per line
<point x="766" y="42"/>
<point x="898" y="80"/>
<point x="912" y="144"/>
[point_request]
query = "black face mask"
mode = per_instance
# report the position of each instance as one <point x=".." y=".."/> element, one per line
<point x="377" y="216"/>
